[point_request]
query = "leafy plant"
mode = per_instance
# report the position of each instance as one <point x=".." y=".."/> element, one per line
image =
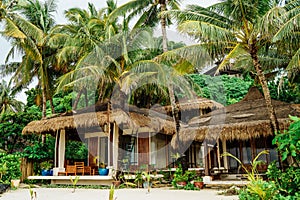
<point x="76" y="150"/>
<point x="46" y="165"/>
<point x="147" y="178"/>
<point x="138" y="178"/>
<point x="179" y="176"/>
<point x="74" y="182"/>
<point x="252" y="174"/>
<point x="288" y="142"/>
<point x="3" y="171"/>
<point x="198" y="179"/>
<point x="12" y="162"/>
<point x="112" y="193"/>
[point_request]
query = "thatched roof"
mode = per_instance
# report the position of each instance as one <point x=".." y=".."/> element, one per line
<point x="192" y="104"/>
<point x="96" y="116"/>
<point x="246" y="119"/>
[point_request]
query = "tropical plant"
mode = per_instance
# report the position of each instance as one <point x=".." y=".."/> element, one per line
<point x="233" y="88"/>
<point x="80" y="44"/>
<point x="112" y="193"/>
<point x="74" y="182"/>
<point x="3" y="171"/>
<point x="237" y="33"/>
<point x="287" y="37"/>
<point x="288" y="142"/>
<point x="46" y="165"/>
<point x="282" y="183"/>
<point x="252" y="173"/>
<point x="76" y="150"/>
<point x="12" y="162"/>
<point x="147" y="177"/>
<point x="149" y="11"/>
<point x="38" y="57"/>
<point x="8" y="101"/>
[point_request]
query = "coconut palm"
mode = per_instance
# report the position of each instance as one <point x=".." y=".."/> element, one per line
<point x="287" y="36"/>
<point x="149" y="11"/>
<point x="233" y="32"/>
<point x="8" y="102"/>
<point x="79" y="40"/>
<point x="37" y="58"/>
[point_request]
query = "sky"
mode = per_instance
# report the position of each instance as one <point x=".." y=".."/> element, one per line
<point x="66" y="4"/>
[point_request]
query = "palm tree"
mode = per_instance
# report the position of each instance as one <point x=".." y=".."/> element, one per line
<point x="81" y="40"/>
<point x="8" y="102"/>
<point x="230" y="32"/>
<point x="37" y="59"/>
<point x="149" y="11"/>
<point x="287" y="36"/>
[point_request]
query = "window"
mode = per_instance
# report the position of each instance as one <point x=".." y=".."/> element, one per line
<point x="158" y="151"/>
<point x="103" y="150"/>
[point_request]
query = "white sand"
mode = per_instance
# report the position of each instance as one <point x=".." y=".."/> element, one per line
<point x="121" y="194"/>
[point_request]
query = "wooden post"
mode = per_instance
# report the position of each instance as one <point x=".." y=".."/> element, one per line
<point x="206" y="170"/>
<point x="225" y="159"/>
<point x="115" y="146"/>
<point x="26" y="168"/>
<point x="218" y="154"/>
<point x="62" y="149"/>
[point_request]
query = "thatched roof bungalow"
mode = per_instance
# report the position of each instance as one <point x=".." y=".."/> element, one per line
<point x="98" y="116"/>
<point x="246" y="119"/>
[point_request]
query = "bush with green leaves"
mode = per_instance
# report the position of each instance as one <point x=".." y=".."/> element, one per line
<point x="76" y="150"/>
<point x="283" y="184"/>
<point x="233" y="88"/>
<point x="12" y="163"/>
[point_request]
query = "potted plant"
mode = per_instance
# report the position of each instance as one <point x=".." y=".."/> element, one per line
<point x="198" y="182"/>
<point x="181" y="180"/>
<point x="116" y="176"/>
<point x="46" y="168"/>
<point x="103" y="171"/>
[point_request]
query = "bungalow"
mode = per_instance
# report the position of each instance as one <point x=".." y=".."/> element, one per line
<point x="126" y="140"/>
<point x="242" y="129"/>
<point x="132" y="137"/>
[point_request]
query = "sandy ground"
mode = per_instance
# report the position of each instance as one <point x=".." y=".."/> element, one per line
<point x="120" y="194"/>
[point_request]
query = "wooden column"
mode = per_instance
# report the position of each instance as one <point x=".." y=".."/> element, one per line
<point x="62" y="149"/>
<point x="218" y="154"/>
<point x="206" y="170"/>
<point x="225" y="158"/>
<point x="115" y="146"/>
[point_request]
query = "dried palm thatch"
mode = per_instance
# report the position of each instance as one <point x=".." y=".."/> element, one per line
<point x="192" y="104"/>
<point x="246" y="119"/>
<point x="134" y="119"/>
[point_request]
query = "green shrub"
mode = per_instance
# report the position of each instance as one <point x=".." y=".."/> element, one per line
<point x="12" y="162"/>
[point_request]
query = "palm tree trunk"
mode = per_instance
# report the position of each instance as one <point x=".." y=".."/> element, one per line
<point x="163" y="5"/>
<point x="52" y="106"/>
<point x="86" y="97"/>
<point x="174" y="114"/>
<point x="77" y="99"/>
<point x="263" y="82"/>
<point x="44" y="98"/>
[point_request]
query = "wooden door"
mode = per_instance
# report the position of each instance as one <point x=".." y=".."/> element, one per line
<point x="143" y="149"/>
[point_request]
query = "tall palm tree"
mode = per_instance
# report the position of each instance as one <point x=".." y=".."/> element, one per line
<point x="233" y="29"/>
<point x="80" y="40"/>
<point x="8" y="102"/>
<point x="287" y="35"/>
<point x="149" y="11"/>
<point x="37" y="56"/>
